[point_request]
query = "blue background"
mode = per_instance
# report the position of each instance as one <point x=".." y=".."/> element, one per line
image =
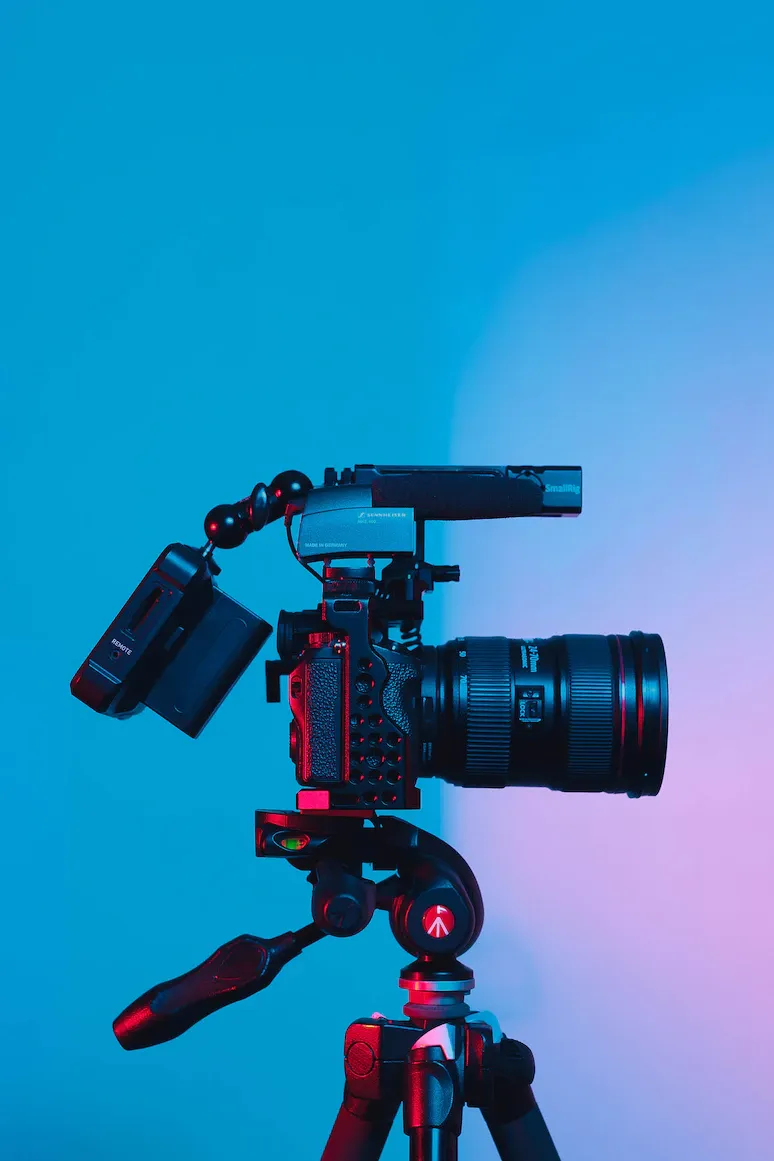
<point x="242" y="239"/>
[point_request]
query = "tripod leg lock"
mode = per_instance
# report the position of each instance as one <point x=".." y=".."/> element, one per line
<point x="433" y="1094"/>
<point x="498" y="1075"/>
<point x="375" y="1053"/>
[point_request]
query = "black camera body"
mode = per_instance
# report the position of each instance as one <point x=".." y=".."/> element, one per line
<point x="373" y="708"/>
<point x="355" y="737"/>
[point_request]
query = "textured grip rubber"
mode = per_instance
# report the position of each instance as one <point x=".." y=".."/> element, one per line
<point x="238" y="969"/>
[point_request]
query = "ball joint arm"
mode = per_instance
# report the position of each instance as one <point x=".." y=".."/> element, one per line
<point x="229" y="525"/>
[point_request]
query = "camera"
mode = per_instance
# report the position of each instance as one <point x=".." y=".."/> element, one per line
<point x="375" y="709"/>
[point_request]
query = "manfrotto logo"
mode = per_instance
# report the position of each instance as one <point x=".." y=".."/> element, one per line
<point x="563" y="488"/>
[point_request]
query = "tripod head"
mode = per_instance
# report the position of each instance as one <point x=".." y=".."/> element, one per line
<point x="433" y="901"/>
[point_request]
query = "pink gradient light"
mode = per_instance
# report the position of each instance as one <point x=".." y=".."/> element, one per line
<point x="631" y="943"/>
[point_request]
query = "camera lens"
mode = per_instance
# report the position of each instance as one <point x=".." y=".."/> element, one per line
<point x="574" y="712"/>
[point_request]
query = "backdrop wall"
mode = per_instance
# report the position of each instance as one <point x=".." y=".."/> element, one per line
<point x="258" y="238"/>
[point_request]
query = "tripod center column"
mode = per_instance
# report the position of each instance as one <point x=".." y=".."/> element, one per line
<point x="437" y="987"/>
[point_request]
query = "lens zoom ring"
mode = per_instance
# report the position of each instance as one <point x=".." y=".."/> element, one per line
<point x="489" y="705"/>
<point x="591" y="704"/>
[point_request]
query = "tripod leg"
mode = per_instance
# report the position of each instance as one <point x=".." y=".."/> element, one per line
<point x="525" y="1139"/>
<point x="374" y="1055"/>
<point x="361" y="1129"/>
<point x="512" y="1116"/>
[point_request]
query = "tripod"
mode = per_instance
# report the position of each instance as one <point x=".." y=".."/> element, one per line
<point x="443" y="1056"/>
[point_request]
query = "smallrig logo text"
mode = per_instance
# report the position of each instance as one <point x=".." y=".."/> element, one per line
<point x="563" y="488"/>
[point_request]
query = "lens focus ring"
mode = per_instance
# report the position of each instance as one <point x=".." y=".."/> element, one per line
<point x="591" y="705"/>
<point x="489" y="705"/>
